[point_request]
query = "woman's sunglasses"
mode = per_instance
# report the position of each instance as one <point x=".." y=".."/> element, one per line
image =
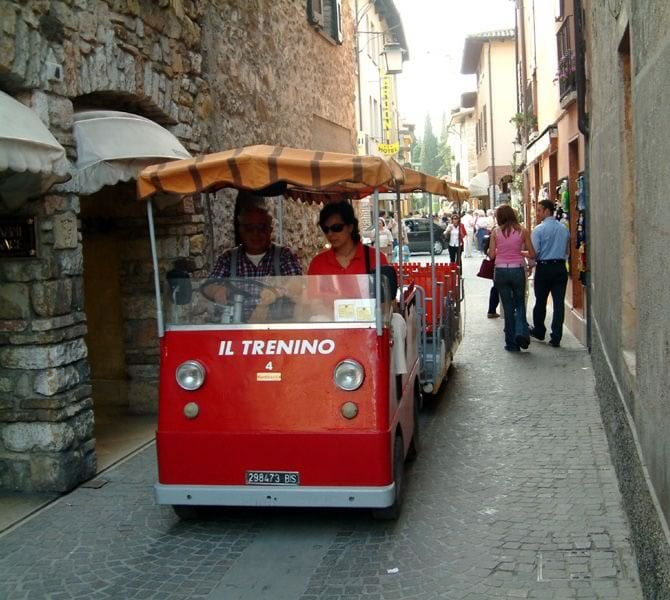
<point x="336" y="228"/>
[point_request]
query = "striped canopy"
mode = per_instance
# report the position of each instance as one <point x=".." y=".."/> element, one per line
<point x="256" y="168"/>
<point x="416" y="181"/>
<point x="301" y="173"/>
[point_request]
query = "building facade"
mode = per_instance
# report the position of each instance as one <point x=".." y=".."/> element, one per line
<point x="552" y="156"/>
<point x="379" y="28"/>
<point x="77" y="314"/>
<point x="490" y="56"/>
<point x="628" y="68"/>
<point x="462" y="139"/>
<point x="379" y="38"/>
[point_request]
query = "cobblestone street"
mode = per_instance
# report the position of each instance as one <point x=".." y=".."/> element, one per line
<point x="512" y="496"/>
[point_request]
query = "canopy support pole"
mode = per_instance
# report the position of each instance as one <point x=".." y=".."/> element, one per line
<point x="433" y="290"/>
<point x="378" y="280"/>
<point x="154" y="257"/>
<point x="210" y="219"/>
<point x="280" y="219"/>
<point x="401" y="283"/>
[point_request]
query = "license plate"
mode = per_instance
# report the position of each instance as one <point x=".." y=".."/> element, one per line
<point x="273" y="478"/>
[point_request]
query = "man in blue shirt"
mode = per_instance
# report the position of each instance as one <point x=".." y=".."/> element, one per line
<point x="550" y="239"/>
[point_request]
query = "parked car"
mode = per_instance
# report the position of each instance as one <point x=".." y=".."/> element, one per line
<point x="418" y="235"/>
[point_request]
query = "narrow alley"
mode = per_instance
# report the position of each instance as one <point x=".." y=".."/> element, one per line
<point x="513" y="495"/>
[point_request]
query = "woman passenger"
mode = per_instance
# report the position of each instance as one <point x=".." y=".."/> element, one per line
<point x="347" y="255"/>
<point x="510" y="245"/>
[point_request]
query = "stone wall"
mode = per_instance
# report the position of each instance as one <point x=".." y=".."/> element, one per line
<point x="629" y="239"/>
<point x="217" y="75"/>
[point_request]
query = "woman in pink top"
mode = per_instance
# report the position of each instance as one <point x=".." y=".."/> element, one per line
<point x="510" y="245"/>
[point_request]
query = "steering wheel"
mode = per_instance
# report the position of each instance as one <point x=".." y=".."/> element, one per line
<point x="233" y="287"/>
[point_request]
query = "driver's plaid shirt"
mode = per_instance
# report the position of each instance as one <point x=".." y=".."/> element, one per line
<point x="288" y="264"/>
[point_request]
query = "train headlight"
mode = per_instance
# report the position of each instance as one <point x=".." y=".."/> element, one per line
<point x="349" y="375"/>
<point x="190" y="375"/>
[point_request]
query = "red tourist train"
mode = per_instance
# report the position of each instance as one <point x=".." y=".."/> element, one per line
<point x="306" y="391"/>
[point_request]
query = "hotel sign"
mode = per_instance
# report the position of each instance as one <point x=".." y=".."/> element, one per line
<point x="388" y="148"/>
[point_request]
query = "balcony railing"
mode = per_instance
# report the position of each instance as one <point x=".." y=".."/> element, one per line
<point x="566" y="57"/>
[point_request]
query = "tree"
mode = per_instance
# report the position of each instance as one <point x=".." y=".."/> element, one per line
<point x="416" y="152"/>
<point x="445" y="153"/>
<point x="430" y="157"/>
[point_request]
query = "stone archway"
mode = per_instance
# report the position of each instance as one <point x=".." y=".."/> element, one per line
<point x="60" y="60"/>
<point x="118" y="296"/>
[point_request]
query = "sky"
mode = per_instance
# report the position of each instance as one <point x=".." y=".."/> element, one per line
<point x="435" y="31"/>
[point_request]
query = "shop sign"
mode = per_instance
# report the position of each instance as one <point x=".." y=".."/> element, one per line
<point x="388" y="148"/>
<point x="17" y="237"/>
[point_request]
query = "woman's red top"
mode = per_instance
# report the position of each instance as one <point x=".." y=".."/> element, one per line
<point x="326" y="263"/>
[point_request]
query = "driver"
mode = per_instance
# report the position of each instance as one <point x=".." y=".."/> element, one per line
<point x="256" y="256"/>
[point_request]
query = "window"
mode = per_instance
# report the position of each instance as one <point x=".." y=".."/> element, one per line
<point x="326" y="17"/>
<point x="560" y="9"/>
<point x="372" y="38"/>
<point x="566" y="58"/>
<point x="484" y="131"/>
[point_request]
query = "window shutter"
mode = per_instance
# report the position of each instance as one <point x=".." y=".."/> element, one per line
<point x="315" y="12"/>
<point x="338" y="22"/>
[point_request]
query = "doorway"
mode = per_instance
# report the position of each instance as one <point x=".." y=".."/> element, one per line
<point x="104" y="245"/>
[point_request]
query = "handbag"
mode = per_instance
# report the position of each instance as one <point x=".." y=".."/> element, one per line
<point x="486" y="268"/>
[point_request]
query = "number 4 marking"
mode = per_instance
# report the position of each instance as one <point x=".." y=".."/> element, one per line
<point x="269" y="366"/>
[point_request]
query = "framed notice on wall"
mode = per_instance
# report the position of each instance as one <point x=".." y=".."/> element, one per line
<point x="17" y="237"/>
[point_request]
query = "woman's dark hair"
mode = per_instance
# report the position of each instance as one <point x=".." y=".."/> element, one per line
<point x="507" y="219"/>
<point x="346" y="212"/>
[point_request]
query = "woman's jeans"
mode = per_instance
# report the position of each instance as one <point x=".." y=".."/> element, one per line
<point x="480" y="235"/>
<point x="511" y="284"/>
<point x="453" y="253"/>
<point x="494" y="299"/>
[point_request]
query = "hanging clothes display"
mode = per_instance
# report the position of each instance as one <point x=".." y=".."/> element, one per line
<point x="580" y="238"/>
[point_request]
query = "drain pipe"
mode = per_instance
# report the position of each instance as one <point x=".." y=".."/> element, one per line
<point x="491" y="124"/>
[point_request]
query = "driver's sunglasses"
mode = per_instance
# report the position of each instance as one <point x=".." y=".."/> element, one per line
<point x="255" y="227"/>
<point x="335" y="228"/>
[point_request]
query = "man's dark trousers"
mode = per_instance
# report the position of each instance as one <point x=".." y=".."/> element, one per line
<point x="550" y="278"/>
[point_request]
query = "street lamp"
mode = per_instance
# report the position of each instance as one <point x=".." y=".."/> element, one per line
<point x="393" y="58"/>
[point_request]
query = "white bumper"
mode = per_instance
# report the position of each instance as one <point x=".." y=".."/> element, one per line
<point x="258" y="495"/>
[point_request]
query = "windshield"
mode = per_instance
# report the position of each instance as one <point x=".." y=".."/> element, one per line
<point x="286" y="299"/>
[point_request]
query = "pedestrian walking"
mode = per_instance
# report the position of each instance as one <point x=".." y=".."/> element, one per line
<point x="551" y="241"/>
<point x="510" y="244"/>
<point x="468" y="221"/>
<point x="482" y="229"/>
<point x="494" y="296"/>
<point x="455" y="235"/>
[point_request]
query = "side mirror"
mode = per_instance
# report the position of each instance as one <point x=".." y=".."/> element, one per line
<point x="179" y="283"/>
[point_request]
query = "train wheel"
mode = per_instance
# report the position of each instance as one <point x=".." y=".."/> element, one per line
<point x="186" y="512"/>
<point x="391" y="513"/>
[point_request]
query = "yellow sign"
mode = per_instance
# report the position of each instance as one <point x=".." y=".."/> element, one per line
<point x="387" y="148"/>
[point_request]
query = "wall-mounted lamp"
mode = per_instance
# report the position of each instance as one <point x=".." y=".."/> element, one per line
<point x="392" y="58"/>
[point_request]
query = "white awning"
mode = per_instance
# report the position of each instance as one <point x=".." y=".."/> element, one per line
<point x="31" y="159"/>
<point x="115" y="146"/>
<point x="539" y="145"/>
<point x="479" y="185"/>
